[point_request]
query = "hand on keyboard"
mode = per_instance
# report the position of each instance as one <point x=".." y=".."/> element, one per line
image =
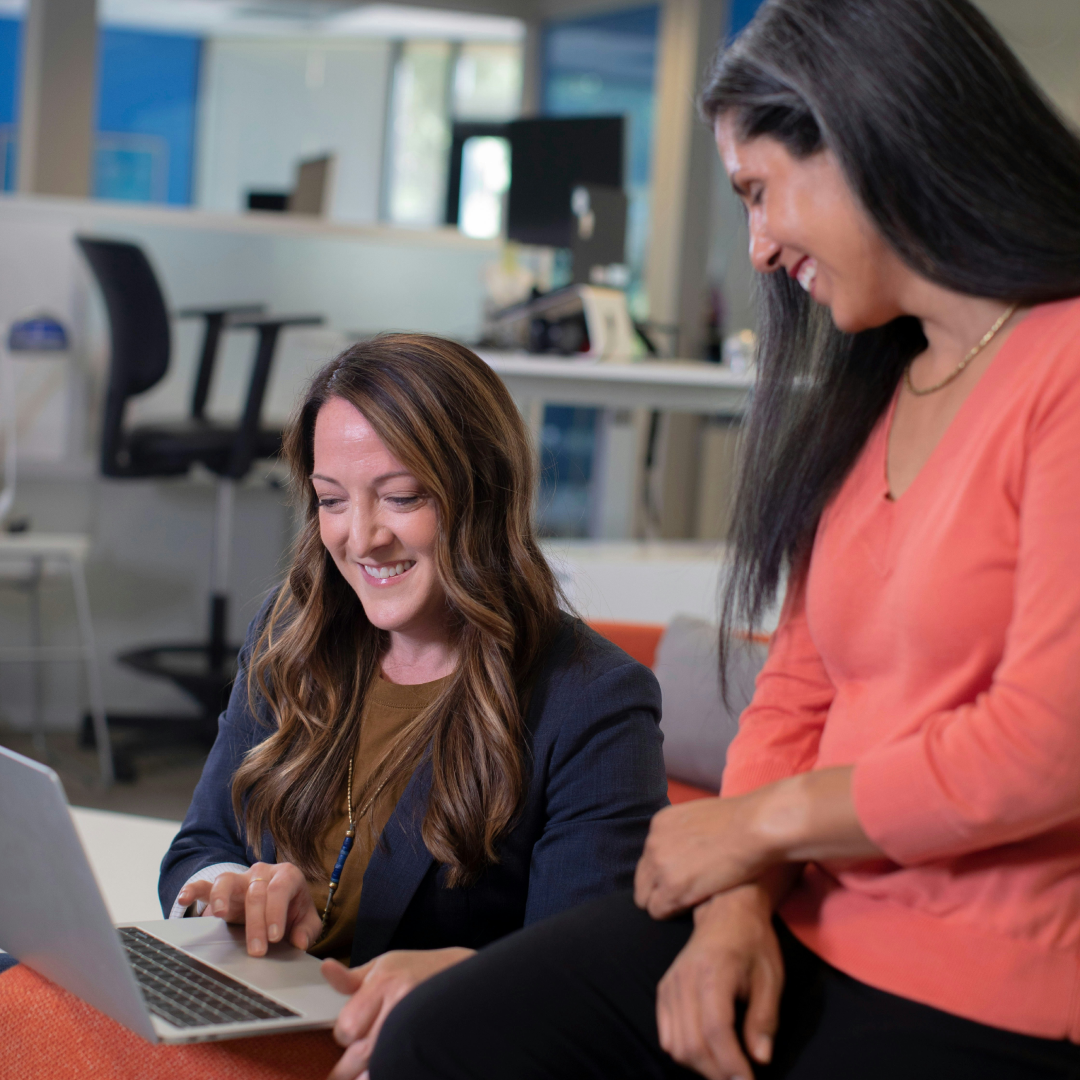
<point x="271" y="899"/>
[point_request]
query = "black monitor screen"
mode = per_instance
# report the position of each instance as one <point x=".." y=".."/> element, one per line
<point x="549" y="158"/>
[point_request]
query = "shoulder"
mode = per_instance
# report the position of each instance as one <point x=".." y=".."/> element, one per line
<point x="583" y="676"/>
<point x="1041" y="387"/>
<point x="1049" y="339"/>
<point x="579" y="654"/>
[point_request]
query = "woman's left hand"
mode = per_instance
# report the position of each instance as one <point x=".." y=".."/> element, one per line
<point x="376" y="988"/>
<point x="702" y="848"/>
<point x="695" y="850"/>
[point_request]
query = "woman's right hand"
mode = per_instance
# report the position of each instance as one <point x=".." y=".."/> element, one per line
<point x="733" y="955"/>
<point x="271" y="899"/>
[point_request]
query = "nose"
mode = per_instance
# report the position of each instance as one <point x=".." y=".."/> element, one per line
<point x="367" y="534"/>
<point x="764" y="250"/>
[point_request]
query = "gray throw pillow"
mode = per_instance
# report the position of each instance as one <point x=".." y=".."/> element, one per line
<point x="697" y="724"/>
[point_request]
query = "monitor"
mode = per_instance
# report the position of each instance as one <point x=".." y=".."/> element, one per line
<point x="550" y="156"/>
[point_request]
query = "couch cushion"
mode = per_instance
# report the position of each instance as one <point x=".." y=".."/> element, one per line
<point x="697" y="724"/>
<point x="678" y="792"/>
<point x="638" y="640"/>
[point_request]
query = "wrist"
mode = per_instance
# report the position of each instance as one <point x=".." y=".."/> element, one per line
<point x="781" y="819"/>
<point x="752" y="898"/>
<point x="455" y="954"/>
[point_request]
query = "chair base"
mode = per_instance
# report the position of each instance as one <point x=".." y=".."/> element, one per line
<point x="147" y="732"/>
<point x="201" y="674"/>
<point x="204" y="673"/>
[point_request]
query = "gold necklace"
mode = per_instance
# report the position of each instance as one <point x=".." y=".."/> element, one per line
<point x="350" y="835"/>
<point x="347" y="843"/>
<point x="987" y="338"/>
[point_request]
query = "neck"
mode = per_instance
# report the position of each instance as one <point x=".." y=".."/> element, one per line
<point x="952" y="322"/>
<point x="411" y="660"/>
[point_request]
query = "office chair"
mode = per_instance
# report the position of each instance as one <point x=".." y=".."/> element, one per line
<point x="140" y="349"/>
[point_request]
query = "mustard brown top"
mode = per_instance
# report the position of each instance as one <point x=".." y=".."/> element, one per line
<point x="389" y="710"/>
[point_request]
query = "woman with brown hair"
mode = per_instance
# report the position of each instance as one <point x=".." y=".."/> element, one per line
<point x="422" y="753"/>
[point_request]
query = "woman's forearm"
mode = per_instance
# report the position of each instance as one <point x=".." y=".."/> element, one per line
<point x="710" y="846"/>
<point x="810" y="817"/>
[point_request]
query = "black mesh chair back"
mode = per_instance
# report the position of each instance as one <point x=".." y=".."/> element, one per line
<point x="139" y="329"/>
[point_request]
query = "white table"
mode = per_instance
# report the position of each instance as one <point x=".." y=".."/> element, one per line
<point x="125" y="852"/>
<point x="693" y="386"/>
<point x="627" y="393"/>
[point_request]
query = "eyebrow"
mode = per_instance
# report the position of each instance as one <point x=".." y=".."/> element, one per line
<point x="378" y="479"/>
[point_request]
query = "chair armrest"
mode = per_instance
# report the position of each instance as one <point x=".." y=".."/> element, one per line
<point x="259" y="322"/>
<point x="215" y="319"/>
<point x="221" y="310"/>
<point x="268" y="328"/>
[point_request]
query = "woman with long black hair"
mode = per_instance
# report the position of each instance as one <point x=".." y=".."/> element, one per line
<point x="890" y="886"/>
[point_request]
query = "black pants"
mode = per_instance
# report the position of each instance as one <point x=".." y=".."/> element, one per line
<point x="573" y="998"/>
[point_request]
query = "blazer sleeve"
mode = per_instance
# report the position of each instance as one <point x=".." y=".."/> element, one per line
<point x="210" y="834"/>
<point x="604" y="782"/>
<point x="780" y="730"/>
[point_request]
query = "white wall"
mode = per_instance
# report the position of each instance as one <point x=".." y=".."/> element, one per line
<point x="1045" y="34"/>
<point x="267" y="102"/>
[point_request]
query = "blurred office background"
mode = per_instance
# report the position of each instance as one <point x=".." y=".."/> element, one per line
<point x="161" y="122"/>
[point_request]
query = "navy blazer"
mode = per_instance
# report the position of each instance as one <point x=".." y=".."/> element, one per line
<point x="595" y="778"/>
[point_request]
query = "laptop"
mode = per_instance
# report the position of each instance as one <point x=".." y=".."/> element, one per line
<point x="170" y="981"/>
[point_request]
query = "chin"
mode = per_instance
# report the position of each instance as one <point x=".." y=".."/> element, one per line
<point x="849" y="320"/>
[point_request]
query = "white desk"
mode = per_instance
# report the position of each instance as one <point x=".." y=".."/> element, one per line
<point x="693" y="386"/>
<point x="125" y="852"/>
<point x="627" y="393"/>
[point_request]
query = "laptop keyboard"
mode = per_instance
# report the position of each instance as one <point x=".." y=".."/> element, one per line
<point x="188" y="993"/>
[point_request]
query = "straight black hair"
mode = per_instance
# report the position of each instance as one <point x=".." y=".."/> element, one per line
<point x="969" y="174"/>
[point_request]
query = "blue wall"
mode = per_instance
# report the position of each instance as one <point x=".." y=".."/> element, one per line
<point x="10" y="36"/>
<point x="601" y="66"/>
<point x="148" y="88"/>
<point x="742" y="11"/>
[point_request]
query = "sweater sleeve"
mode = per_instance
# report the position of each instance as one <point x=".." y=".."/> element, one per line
<point x="779" y="731"/>
<point x="1006" y="766"/>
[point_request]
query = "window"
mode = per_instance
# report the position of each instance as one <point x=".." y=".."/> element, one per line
<point x="419" y="133"/>
<point x="485" y="178"/>
<point x="487" y="81"/>
<point x="435" y="83"/>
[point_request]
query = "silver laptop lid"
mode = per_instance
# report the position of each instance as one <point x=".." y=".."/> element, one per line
<point x="52" y="916"/>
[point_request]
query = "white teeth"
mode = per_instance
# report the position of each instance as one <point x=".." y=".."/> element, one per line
<point x="382" y="572"/>
<point x="807" y="274"/>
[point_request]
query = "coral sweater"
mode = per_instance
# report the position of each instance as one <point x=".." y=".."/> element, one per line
<point x="935" y="646"/>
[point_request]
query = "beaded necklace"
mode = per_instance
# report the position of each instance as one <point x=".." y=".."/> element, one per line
<point x="350" y="835"/>
<point x="347" y="843"/>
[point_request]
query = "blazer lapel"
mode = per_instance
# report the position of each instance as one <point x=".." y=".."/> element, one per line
<point x="398" y="865"/>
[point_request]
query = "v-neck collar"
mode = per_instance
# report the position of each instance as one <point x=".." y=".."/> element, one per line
<point x="959" y="423"/>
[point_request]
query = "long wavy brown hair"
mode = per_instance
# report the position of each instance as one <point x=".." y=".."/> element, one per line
<point x="445" y="415"/>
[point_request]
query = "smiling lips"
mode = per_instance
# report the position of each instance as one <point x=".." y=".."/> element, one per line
<point x="806" y="273"/>
<point x="390" y="570"/>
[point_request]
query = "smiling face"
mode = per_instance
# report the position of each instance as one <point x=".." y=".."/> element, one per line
<point x="378" y="524"/>
<point x="805" y="221"/>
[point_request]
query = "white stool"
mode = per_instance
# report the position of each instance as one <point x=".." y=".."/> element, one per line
<point x="26" y="556"/>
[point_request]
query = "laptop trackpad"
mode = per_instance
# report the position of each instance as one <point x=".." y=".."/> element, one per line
<point x="225" y="947"/>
